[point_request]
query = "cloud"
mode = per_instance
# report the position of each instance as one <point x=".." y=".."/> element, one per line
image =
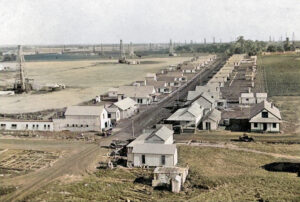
<point x="106" y="21"/>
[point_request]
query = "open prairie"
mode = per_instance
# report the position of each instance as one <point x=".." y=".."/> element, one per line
<point x="84" y="80"/>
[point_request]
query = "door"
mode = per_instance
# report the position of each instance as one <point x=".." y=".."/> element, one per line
<point x="207" y="124"/>
<point x="265" y="126"/>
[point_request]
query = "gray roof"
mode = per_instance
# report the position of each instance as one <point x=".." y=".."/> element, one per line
<point x="136" y="91"/>
<point x="163" y="133"/>
<point x="149" y="148"/>
<point x="206" y="96"/>
<point x="125" y="103"/>
<point x="187" y="114"/>
<point x="214" y="115"/>
<point x="267" y="106"/>
<point x="84" y="110"/>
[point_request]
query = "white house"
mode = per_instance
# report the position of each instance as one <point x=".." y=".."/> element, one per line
<point x="206" y="101"/>
<point x="153" y="149"/>
<point x="187" y="118"/>
<point x="252" y="98"/>
<point x="127" y="107"/>
<point x="211" y="120"/>
<point x="83" y="118"/>
<point x="265" y="117"/>
<point x="261" y="97"/>
<point x="26" y="125"/>
<point x="140" y="94"/>
<point x="113" y="113"/>
<point x="247" y="98"/>
<point x="112" y="93"/>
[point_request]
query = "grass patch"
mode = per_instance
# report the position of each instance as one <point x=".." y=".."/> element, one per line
<point x="282" y="74"/>
<point x="216" y="174"/>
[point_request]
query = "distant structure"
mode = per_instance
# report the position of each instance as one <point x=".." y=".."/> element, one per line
<point x="122" y="57"/>
<point x="22" y="83"/>
<point x="101" y="50"/>
<point x="204" y="40"/>
<point x="171" y="49"/>
<point x="293" y="38"/>
<point x="131" y="50"/>
<point x="94" y="49"/>
<point x="214" y="40"/>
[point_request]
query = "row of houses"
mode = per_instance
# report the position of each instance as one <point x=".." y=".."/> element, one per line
<point x="126" y="101"/>
<point x="254" y="111"/>
<point x="202" y="110"/>
<point x="155" y="86"/>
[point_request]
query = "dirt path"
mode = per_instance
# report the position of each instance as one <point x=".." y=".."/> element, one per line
<point x="234" y="147"/>
<point x="79" y="161"/>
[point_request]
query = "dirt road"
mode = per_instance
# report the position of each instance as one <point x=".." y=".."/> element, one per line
<point x="234" y="147"/>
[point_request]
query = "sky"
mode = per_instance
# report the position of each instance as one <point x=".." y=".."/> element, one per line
<point x="39" y="22"/>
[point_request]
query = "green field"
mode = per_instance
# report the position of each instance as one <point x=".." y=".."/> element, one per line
<point x="282" y="73"/>
<point x="215" y="174"/>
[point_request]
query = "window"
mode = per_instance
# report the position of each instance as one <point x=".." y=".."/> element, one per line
<point x="87" y="126"/>
<point x="109" y="115"/>
<point x="37" y="126"/>
<point x="163" y="159"/>
<point x="264" y="114"/>
<point x="68" y="125"/>
<point x="48" y="127"/>
<point x="255" y="125"/>
<point x="140" y="100"/>
<point x="81" y="126"/>
<point x="73" y="125"/>
<point x="45" y="126"/>
<point x="3" y="125"/>
<point x="13" y="126"/>
<point x="26" y="126"/>
<point x="33" y="126"/>
<point x="247" y="99"/>
<point x="143" y="159"/>
<point x="274" y="125"/>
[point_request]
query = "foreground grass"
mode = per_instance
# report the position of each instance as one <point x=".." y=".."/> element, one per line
<point x="282" y="74"/>
<point x="215" y="175"/>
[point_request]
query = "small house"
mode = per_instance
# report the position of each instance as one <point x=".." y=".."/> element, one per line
<point x="126" y="107"/>
<point x="265" y="117"/>
<point x="154" y="148"/>
<point x="211" y="120"/>
<point x="140" y="94"/>
<point x="186" y="119"/>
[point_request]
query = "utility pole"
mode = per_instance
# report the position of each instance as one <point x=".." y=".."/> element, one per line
<point x="132" y="126"/>
<point x="20" y="63"/>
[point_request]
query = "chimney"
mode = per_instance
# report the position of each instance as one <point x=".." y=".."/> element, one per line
<point x="249" y="90"/>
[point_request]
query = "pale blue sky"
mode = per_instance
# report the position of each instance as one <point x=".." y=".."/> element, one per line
<point x="106" y="21"/>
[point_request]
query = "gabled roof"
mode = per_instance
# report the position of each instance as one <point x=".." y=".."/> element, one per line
<point x="113" y="90"/>
<point x="125" y="103"/>
<point x="149" y="148"/>
<point x="169" y="79"/>
<point x="163" y="133"/>
<point x="267" y="106"/>
<point x="84" y="110"/>
<point x="187" y="114"/>
<point x="136" y="91"/>
<point x="214" y="115"/>
<point x="174" y="74"/>
<point x="207" y="97"/>
<point x="156" y="84"/>
<point x="247" y="95"/>
<point x="262" y="95"/>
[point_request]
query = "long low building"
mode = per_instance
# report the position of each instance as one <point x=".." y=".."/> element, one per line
<point x="26" y="125"/>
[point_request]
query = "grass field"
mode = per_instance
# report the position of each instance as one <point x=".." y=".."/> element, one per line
<point x="215" y="175"/>
<point x="282" y="73"/>
<point x="84" y="79"/>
